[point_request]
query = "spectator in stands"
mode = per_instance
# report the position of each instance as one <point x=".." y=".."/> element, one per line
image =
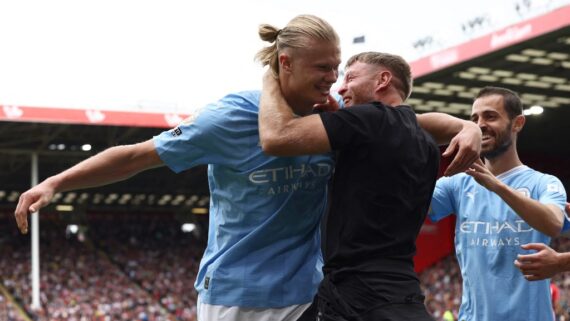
<point x="383" y="183"/>
<point x="8" y="311"/>
<point x="448" y="316"/>
<point x="545" y="263"/>
<point x="500" y="205"/>
<point x="441" y="284"/>
<point x="263" y="255"/>
<point x="77" y="282"/>
<point x="139" y="250"/>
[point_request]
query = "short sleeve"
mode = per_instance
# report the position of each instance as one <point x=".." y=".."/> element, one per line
<point x="443" y="199"/>
<point x="217" y="134"/>
<point x="551" y="191"/>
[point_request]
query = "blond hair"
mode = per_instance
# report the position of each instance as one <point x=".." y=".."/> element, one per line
<point x="297" y="34"/>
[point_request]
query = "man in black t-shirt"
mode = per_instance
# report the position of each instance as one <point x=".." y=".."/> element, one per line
<point x="385" y="174"/>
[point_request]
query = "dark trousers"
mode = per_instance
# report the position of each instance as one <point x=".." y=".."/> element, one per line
<point x="388" y="312"/>
<point x="332" y="307"/>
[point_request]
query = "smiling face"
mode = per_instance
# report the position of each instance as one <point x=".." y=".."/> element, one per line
<point x="307" y="74"/>
<point x="359" y="84"/>
<point x="497" y="127"/>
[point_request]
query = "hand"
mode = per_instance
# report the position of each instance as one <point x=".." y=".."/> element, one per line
<point x="483" y="176"/>
<point x="30" y="202"/>
<point x="330" y="105"/>
<point x="467" y="146"/>
<point x="540" y="265"/>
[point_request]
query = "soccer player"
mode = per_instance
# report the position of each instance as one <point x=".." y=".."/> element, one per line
<point x="500" y="205"/>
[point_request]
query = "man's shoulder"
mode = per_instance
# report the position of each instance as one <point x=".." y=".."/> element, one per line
<point x="537" y="173"/>
<point x="458" y="180"/>
<point x="381" y="105"/>
<point x="376" y="106"/>
<point x="242" y="98"/>
<point x="526" y="173"/>
<point x="232" y="105"/>
<point x="398" y="108"/>
<point x="248" y="94"/>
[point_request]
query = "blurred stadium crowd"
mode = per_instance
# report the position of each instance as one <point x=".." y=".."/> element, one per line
<point x="114" y="269"/>
<point x="133" y="267"/>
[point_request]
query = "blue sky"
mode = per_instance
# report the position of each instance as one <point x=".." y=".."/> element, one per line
<point x="177" y="55"/>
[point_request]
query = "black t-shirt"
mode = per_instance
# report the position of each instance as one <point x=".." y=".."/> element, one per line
<point x="384" y="179"/>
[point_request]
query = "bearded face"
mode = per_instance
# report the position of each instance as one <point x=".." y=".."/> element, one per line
<point x="496" y="125"/>
<point x="496" y="142"/>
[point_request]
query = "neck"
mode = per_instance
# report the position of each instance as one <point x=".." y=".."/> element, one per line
<point x="390" y="98"/>
<point x="505" y="162"/>
<point x="299" y="106"/>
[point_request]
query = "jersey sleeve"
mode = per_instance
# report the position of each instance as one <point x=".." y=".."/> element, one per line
<point x="443" y="199"/>
<point x="551" y="191"/>
<point x="354" y="125"/>
<point x="213" y="135"/>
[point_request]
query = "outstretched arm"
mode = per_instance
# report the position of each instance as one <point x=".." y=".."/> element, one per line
<point x="464" y="139"/>
<point x="546" y="218"/>
<point x="281" y="132"/>
<point x="112" y="165"/>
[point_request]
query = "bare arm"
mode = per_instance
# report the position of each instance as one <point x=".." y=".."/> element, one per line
<point x="281" y="132"/>
<point x="543" y="264"/>
<point x="464" y="139"/>
<point x="112" y="165"/>
<point x="546" y="218"/>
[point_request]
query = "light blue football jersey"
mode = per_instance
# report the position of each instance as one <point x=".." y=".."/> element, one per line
<point x="488" y="236"/>
<point x="264" y="238"/>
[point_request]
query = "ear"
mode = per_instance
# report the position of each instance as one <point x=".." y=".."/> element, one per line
<point x="518" y="123"/>
<point x="383" y="81"/>
<point x="285" y="62"/>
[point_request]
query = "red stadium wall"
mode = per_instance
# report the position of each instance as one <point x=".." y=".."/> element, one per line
<point x="434" y="242"/>
<point x="436" y="239"/>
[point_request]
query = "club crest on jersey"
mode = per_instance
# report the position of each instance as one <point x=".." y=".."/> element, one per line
<point x="556" y="188"/>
